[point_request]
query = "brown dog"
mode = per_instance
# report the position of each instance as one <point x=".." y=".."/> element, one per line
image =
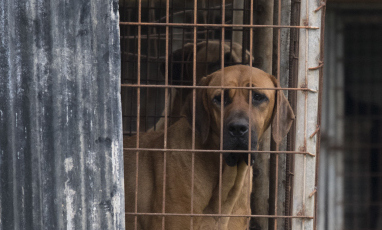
<point x="207" y="61"/>
<point x="239" y="112"/>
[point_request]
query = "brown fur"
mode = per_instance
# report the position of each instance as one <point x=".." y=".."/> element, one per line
<point x="236" y="180"/>
<point x="207" y="61"/>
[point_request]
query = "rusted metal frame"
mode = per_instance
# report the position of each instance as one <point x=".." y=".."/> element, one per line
<point x="165" y="115"/>
<point x="152" y="116"/>
<point x="138" y="115"/>
<point x="123" y="60"/>
<point x="194" y="71"/>
<point x="156" y="54"/>
<point x="273" y="158"/>
<point x="181" y="12"/>
<point x="215" y="25"/>
<point x="323" y="4"/>
<point x="157" y="107"/>
<point x="193" y="113"/>
<point x="146" y="100"/>
<point x="319" y="108"/>
<point x="222" y="43"/>
<point x="216" y="151"/>
<point x="157" y="36"/>
<point x="154" y="37"/>
<point x="207" y="38"/>
<point x="216" y="87"/>
<point x="215" y="215"/>
<point x="315" y="131"/>
<point x="131" y="92"/>
<point x="249" y="108"/>
<point x="158" y="74"/>
<point x="182" y="66"/>
<point x="317" y="67"/>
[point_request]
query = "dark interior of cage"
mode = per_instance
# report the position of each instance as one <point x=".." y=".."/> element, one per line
<point x="180" y="44"/>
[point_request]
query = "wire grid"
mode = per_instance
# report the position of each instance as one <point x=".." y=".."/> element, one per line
<point x="351" y="166"/>
<point x="201" y="21"/>
<point x="363" y="185"/>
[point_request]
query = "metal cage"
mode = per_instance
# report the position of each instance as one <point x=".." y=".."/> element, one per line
<point x="284" y="38"/>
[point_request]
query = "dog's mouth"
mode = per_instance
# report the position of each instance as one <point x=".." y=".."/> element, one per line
<point x="236" y="137"/>
<point x="235" y="158"/>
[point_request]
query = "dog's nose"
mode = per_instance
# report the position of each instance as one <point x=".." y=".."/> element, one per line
<point x="238" y="129"/>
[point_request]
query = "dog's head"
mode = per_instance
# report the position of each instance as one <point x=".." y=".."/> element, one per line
<point x="244" y="113"/>
<point x="207" y="60"/>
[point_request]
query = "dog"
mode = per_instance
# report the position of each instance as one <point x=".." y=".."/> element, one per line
<point x="239" y="112"/>
<point x="207" y="61"/>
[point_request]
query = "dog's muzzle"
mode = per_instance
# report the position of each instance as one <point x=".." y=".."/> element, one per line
<point x="236" y="138"/>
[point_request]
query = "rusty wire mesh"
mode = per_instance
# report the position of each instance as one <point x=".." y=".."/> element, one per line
<point x="151" y="31"/>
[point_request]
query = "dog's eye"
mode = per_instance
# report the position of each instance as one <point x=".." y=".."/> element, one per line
<point x="258" y="98"/>
<point x="217" y="99"/>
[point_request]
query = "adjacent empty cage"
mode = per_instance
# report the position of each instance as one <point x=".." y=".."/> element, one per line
<point x="168" y="46"/>
<point x="351" y="160"/>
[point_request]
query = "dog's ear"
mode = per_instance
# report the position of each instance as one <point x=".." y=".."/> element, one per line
<point x="282" y="114"/>
<point x="178" y="64"/>
<point x="202" y="112"/>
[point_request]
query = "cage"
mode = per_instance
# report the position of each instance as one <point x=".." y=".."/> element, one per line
<point x="350" y="169"/>
<point x="168" y="46"/>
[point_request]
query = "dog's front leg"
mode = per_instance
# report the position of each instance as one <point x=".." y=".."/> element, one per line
<point x="234" y="191"/>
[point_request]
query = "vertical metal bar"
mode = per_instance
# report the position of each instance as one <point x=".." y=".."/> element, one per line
<point x="222" y="110"/>
<point x="193" y="111"/>
<point x="138" y="114"/>
<point x="132" y="91"/>
<point x="250" y="107"/>
<point x="165" y="116"/>
<point x="156" y="90"/>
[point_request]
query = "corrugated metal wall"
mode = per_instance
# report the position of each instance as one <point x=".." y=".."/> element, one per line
<point x="60" y="115"/>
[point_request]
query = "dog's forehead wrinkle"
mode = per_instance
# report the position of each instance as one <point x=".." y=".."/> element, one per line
<point x="237" y="114"/>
